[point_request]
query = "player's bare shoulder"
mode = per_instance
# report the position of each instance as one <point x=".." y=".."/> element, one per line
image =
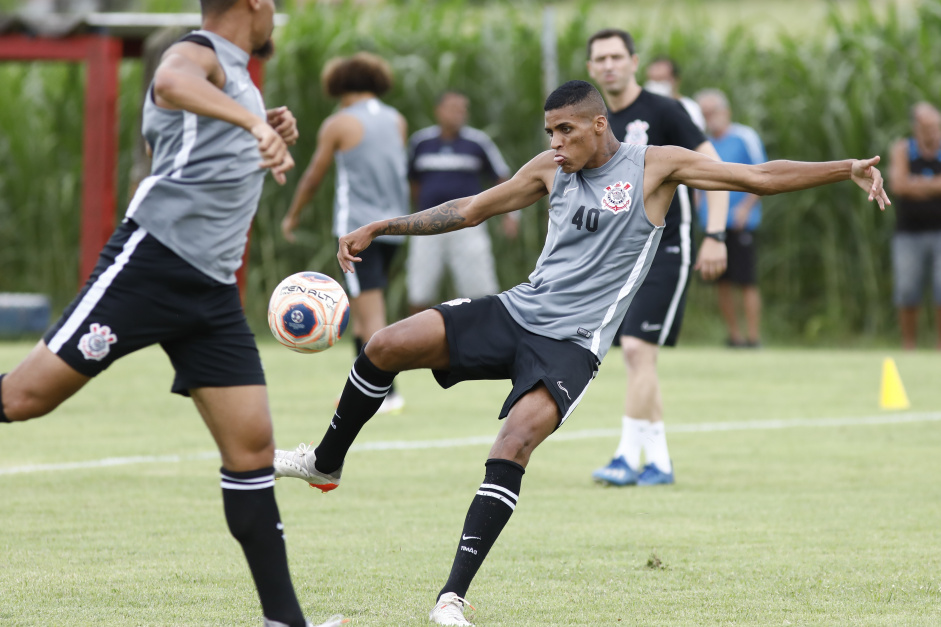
<point x="189" y="55"/>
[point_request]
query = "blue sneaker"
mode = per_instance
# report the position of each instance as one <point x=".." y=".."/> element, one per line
<point x="618" y="473"/>
<point x="651" y="475"/>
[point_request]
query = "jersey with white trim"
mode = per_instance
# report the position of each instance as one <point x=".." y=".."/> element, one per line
<point x="205" y="183"/>
<point x="653" y="120"/>
<point x="598" y="250"/>
<point x="372" y="176"/>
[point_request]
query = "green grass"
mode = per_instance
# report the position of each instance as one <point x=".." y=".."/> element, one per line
<point x="828" y="525"/>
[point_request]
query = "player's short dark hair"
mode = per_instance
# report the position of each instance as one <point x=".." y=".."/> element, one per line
<point x="215" y="7"/>
<point x="576" y="93"/>
<point x="608" y="33"/>
<point x="674" y="66"/>
<point x="361" y="72"/>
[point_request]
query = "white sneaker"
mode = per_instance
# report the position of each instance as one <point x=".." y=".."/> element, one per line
<point x="449" y="610"/>
<point x="392" y="404"/>
<point x="299" y="464"/>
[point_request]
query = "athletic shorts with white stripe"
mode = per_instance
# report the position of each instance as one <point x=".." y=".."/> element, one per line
<point x="485" y="342"/>
<point x="142" y="293"/>
<point x="656" y="313"/>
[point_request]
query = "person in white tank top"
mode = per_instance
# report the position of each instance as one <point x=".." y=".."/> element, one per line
<point x="367" y="140"/>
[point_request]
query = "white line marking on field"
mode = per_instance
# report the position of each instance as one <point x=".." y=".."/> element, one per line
<point x="403" y="445"/>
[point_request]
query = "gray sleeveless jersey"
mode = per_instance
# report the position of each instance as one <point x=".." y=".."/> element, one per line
<point x="205" y="181"/>
<point x="598" y="250"/>
<point x="371" y="177"/>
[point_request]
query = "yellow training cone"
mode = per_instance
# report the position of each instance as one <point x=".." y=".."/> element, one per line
<point x="893" y="394"/>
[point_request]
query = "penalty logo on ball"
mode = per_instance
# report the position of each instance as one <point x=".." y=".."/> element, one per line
<point x="308" y="312"/>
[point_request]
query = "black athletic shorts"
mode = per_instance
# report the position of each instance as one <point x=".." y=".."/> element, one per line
<point x="656" y="313"/>
<point x="142" y="293"/>
<point x="372" y="273"/>
<point x="743" y="266"/>
<point x="487" y="343"/>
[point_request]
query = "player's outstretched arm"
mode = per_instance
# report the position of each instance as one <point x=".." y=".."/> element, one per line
<point x="189" y="77"/>
<point x="677" y="165"/>
<point x="528" y="185"/>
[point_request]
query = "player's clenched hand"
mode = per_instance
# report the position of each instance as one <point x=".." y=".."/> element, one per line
<point x="351" y="245"/>
<point x="274" y="152"/>
<point x="866" y="175"/>
<point x="284" y="124"/>
<point x="712" y="259"/>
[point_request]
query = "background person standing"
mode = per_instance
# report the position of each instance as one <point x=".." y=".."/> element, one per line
<point x="736" y="143"/>
<point x="663" y="78"/>
<point x="915" y="178"/>
<point x="639" y="117"/>
<point x="447" y="161"/>
<point x="366" y="137"/>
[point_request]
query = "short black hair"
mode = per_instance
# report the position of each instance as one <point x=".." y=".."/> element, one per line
<point x="575" y="93"/>
<point x="608" y="33"/>
<point x="674" y="66"/>
<point x="215" y="7"/>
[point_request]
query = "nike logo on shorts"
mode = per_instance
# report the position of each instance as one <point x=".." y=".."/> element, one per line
<point x="465" y="538"/>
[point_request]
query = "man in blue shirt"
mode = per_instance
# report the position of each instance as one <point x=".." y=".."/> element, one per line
<point x="736" y="143"/>
<point x="446" y="161"/>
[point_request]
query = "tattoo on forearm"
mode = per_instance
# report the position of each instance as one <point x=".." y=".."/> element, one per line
<point x="438" y="219"/>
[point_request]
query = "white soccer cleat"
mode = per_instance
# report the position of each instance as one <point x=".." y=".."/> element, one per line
<point x="299" y="464"/>
<point x="449" y="610"/>
<point x="393" y="403"/>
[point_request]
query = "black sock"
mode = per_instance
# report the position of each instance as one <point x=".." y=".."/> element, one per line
<point x="358" y="345"/>
<point x="3" y="416"/>
<point x="252" y="514"/>
<point x="361" y="398"/>
<point x="488" y="514"/>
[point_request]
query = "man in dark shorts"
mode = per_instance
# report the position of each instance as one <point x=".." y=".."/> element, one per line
<point x="167" y="276"/>
<point x="640" y="117"/>
<point x="366" y="138"/>
<point x="737" y="143"/>
<point x="548" y="336"/>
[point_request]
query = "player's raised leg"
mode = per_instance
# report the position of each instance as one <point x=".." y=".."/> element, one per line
<point x="531" y="420"/>
<point x="416" y="342"/>
<point x="39" y="384"/>
<point x="240" y="423"/>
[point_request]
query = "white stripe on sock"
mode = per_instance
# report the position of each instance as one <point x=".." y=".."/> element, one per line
<point x="493" y="486"/>
<point x="374" y="388"/>
<point x="367" y="392"/>
<point x="228" y="485"/>
<point x="510" y="503"/>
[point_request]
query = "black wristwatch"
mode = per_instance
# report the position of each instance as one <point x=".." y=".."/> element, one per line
<point x="719" y="236"/>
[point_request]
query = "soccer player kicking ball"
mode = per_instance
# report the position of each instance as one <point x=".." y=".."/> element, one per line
<point x="167" y="276"/>
<point x="548" y="336"/>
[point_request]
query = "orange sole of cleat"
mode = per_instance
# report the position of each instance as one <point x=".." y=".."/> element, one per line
<point x="325" y="487"/>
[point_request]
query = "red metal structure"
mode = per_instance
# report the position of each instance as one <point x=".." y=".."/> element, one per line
<point x="102" y="52"/>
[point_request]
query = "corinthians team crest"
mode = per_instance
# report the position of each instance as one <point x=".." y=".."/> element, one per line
<point x="96" y="344"/>
<point x="636" y="133"/>
<point x="617" y="197"/>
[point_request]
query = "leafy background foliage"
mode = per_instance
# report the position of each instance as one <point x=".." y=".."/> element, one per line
<point x="842" y="91"/>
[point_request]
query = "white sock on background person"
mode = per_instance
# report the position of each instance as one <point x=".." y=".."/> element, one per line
<point x="633" y="434"/>
<point x="655" y="446"/>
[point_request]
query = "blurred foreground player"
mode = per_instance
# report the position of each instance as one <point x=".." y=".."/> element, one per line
<point x="167" y="276"/>
<point x="548" y="336"/>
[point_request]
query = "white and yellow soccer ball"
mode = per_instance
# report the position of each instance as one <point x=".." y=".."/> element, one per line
<point x="308" y="312"/>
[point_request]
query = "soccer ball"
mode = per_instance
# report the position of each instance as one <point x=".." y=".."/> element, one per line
<point x="308" y="312"/>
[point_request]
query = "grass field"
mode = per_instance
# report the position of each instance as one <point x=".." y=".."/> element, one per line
<point x="786" y="516"/>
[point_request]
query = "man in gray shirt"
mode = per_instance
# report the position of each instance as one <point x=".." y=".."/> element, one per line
<point x="607" y="203"/>
<point x="167" y="276"/>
